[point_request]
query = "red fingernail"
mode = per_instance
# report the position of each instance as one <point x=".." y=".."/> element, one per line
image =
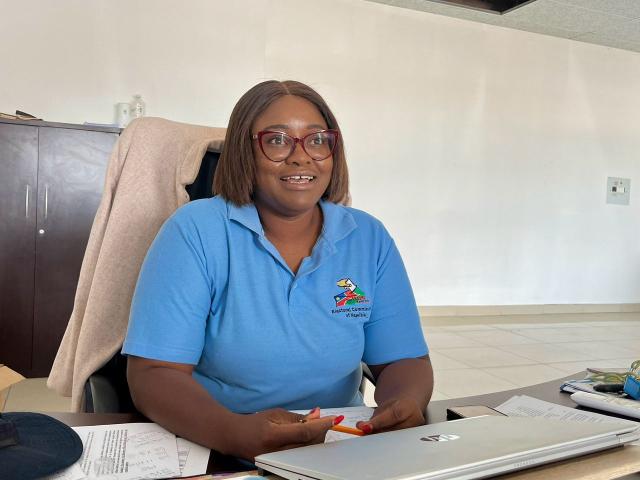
<point x="314" y="410"/>
<point x="338" y="419"/>
<point x="366" y="428"/>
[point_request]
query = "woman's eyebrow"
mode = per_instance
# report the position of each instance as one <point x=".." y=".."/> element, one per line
<point x="280" y="126"/>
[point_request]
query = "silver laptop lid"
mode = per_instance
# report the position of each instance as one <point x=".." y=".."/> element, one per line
<point x="470" y="448"/>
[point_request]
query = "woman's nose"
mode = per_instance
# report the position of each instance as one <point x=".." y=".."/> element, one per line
<point x="298" y="156"/>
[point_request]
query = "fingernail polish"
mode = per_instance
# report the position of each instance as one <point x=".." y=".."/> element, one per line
<point x="314" y="410"/>
<point x="366" y="428"/>
<point x="338" y="419"/>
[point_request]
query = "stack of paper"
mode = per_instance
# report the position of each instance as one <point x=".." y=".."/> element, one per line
<point x="134" y="451"/>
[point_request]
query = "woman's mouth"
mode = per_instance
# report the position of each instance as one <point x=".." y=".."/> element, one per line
<point x="298" y="179"/>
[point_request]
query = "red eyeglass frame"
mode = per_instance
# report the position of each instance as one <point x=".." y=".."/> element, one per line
<point x="258" y="136"/>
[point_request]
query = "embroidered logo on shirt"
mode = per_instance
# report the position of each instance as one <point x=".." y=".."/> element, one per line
<point x="352" y="295"/>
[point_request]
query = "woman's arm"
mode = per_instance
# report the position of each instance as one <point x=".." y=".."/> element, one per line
<point x="167" y="393"/>
<point x="403" y="390"/>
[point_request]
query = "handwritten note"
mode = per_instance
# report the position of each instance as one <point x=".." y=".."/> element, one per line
<point x="352" y="415"/>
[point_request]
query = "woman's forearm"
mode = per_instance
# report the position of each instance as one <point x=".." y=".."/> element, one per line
<point x="411" y="377"/>
<point x="168" y="394"/>
<point x="175" y="400"/>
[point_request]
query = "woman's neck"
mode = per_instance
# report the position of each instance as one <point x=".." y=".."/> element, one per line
<point x="303" y="228"/>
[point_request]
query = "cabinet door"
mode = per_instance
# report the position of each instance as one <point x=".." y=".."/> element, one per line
<point x="71" y="171"/>
<point x="18" y="170"/>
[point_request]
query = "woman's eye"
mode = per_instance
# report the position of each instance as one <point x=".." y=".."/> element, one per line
<point x="276" y="140"/>
<point x="317" y="140"/>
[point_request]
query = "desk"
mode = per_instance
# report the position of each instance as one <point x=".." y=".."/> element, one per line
<point x="604" y="465"/>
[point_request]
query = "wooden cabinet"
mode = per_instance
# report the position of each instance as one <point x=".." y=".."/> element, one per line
<point x="51" y="180"/>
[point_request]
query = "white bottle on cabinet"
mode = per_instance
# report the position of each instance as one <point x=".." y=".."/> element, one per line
<point x="138" y="107"/>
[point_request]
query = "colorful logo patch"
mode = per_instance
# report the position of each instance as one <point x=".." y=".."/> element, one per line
<point x="352" y="295"/>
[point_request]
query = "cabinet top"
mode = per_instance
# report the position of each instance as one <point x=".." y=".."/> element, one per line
<point x="73" y="126"/>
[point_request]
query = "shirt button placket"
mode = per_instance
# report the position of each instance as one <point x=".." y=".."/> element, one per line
<point x="294" y="285"/>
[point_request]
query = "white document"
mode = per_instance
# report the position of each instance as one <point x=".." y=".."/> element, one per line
<point x="525" y="406"/>
<point x="193" y="458"/>
<point x="128" y="451"/>
<point x="333" y="436"/>
<point x="352" y="415"/>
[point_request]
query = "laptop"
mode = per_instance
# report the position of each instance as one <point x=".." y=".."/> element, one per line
<point x="469" y="448"/>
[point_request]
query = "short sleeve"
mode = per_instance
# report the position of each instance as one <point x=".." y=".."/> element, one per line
<point x="172" y="298"/>
<point x="393" y="331"/>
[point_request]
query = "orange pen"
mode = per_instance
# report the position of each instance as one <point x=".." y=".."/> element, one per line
<point x="352" y="431"/>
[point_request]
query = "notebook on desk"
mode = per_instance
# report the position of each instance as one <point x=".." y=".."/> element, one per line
<point x="462" y="449"/>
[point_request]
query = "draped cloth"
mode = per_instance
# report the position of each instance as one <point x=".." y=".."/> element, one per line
<point x="152" y="162"/>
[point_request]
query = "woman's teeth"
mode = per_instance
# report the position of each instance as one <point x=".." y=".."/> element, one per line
<point x="298" y="179"/>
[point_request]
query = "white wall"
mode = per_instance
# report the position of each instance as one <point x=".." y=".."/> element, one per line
<point x="492" y="145"/>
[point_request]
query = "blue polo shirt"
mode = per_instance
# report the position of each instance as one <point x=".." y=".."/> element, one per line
<point x="215" y="293"/>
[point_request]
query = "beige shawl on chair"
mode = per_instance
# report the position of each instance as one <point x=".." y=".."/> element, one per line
<point x="149" y="167"/>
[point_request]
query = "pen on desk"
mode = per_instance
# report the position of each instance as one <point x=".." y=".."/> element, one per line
<point x="343" y="429"/>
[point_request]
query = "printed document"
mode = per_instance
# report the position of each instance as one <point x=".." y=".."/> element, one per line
<point x="525" y="406"/>
<point x="134" y="451"/>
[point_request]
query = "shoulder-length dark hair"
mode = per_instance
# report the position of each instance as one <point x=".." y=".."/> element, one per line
<point x="235" y="174"/>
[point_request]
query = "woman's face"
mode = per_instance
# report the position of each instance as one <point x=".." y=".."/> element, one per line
<point x="278" y="184"/>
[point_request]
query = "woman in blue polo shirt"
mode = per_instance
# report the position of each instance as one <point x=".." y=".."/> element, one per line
<point x="268" y="296"/>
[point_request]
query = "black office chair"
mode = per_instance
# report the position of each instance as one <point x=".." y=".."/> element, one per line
<point x="107" y="390"/>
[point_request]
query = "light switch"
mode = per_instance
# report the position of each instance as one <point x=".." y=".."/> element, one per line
<point x="618" y="190"/>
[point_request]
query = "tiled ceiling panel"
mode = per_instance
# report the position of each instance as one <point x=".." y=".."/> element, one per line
<point x="612" y="23"/>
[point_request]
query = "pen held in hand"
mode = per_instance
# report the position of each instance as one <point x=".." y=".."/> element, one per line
<point x="343" y="429"/>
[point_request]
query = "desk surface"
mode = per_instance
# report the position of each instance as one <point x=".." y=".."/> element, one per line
<point x="604" y="465"/>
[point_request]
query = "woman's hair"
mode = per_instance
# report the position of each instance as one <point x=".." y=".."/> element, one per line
<point x="236" y="173"/>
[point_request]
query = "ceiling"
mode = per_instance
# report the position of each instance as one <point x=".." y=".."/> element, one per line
<point x="612" y="23"/>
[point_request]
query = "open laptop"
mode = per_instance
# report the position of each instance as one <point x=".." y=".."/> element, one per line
<point x="475" y="447"/>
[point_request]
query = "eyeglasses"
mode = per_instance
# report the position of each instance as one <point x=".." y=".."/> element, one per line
<point x="278" y="146"/>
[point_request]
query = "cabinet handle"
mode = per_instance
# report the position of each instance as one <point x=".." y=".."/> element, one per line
<point x="26" y="202"/>
<point x="46" y="201"/>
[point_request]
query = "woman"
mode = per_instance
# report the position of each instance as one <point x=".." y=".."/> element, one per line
<point x="267" y="297"/>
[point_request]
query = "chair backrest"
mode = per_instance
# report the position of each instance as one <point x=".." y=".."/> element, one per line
<point x="107" y="390"/>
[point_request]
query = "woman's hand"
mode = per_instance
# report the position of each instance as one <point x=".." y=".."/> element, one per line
<point x="395" y="414"/>
<point x="403" y="390"/>
<point x="276" y="429"/>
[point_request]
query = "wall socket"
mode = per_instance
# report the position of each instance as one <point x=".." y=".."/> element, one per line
<point x="618" y="190"/>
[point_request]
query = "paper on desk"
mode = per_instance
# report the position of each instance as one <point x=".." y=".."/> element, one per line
<point x="352" y="415"/>
<point x="525" y="406"/>
<point x="129" y="451"/>
<point x="193" y="458"/>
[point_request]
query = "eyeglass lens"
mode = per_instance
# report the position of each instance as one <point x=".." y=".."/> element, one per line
<point x="277" y="146"/>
